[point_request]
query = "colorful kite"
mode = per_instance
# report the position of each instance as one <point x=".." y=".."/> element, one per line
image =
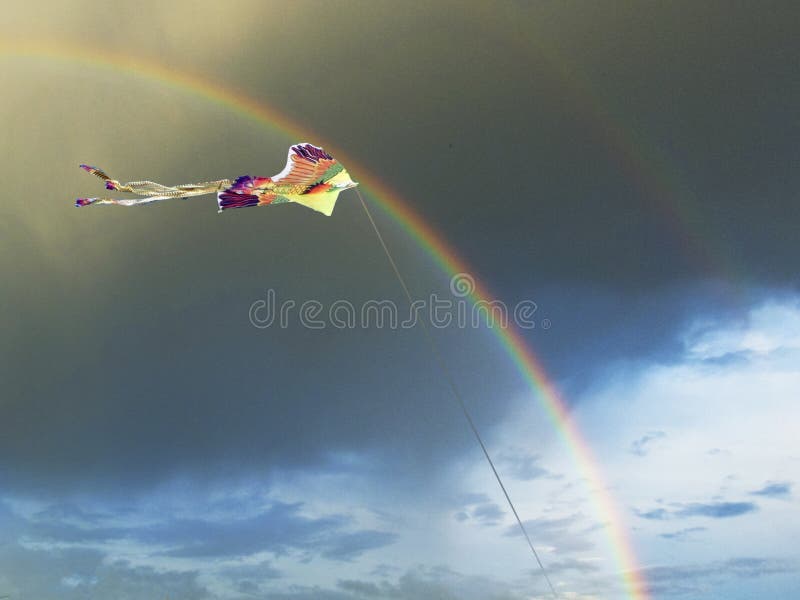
<point x="312" y="177"/>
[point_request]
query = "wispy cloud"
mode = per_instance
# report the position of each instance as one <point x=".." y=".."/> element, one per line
<point x="654" y="514"/>
<point x="642" y="446"/>
<point x="523" y="466"/>
<point x="480" y="508"/>
<point x="75" y="573"/>
<point x="251" y="575"/>
<point x="697" y="579"/>
<point x="437" y="582"/>
<point x="714" y="510"/>
<point x="349" y="545"/>
<point x="280" y="528"/>
<point x="772" y="327"/>
<point x="774" y="490"/>
<point x="570" y="564"/>
<point x="557" y="533"/>
<point x="367" y="589"/>
<point x="682" y="534"/>
<point x="488" y="514"/>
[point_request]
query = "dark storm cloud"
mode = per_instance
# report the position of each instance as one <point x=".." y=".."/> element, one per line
<point x="635" y="168"/>
<point x="124" y="377"/>
<point x="175" y="378"/>
<point x="597" y="161"/>
<point x="127" y="356"/>
<point x="130" y="358"/>
<point x="554" y="155"/>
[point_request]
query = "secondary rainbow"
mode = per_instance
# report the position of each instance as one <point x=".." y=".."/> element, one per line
<point x="661" y="185"/>
<point x="424" y="235"/>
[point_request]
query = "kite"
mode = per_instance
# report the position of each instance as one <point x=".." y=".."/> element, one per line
<point x="312" y="177"/>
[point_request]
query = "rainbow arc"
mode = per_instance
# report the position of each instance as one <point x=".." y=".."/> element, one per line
<point x="431" y="241"/>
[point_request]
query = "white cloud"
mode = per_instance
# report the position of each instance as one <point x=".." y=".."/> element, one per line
<point x="729" y="411"/>
<point x="773" y="326"/>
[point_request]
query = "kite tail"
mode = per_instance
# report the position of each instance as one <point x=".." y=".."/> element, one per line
<point x="111" y="184"/>
<point x="154" y="192"/>
<point x="120" y="202"/>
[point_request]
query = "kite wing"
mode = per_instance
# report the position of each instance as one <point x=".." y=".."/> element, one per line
<point x="312" y="177"/>
<point x="306" y="165"/>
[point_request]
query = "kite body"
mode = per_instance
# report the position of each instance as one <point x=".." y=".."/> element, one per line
<point x="312" y="177"/>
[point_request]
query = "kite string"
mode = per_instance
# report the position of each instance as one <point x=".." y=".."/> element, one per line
<point x="456" y="393"/>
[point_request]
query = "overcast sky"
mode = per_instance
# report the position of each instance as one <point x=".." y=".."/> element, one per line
<point x="630" y="168"/>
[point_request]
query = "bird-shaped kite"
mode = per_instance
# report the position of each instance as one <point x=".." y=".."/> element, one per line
<point x="312" y="177"/>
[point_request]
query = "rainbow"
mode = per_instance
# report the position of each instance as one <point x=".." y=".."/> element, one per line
<point x="415" y="226"/>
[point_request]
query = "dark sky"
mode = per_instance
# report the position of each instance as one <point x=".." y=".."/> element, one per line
<point x="631" y="167"/>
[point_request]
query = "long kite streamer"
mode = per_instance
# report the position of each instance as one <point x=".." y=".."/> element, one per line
<point x="312" y="177"/>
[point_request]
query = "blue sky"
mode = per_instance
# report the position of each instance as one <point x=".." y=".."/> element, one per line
<point x="154" y="443"/>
